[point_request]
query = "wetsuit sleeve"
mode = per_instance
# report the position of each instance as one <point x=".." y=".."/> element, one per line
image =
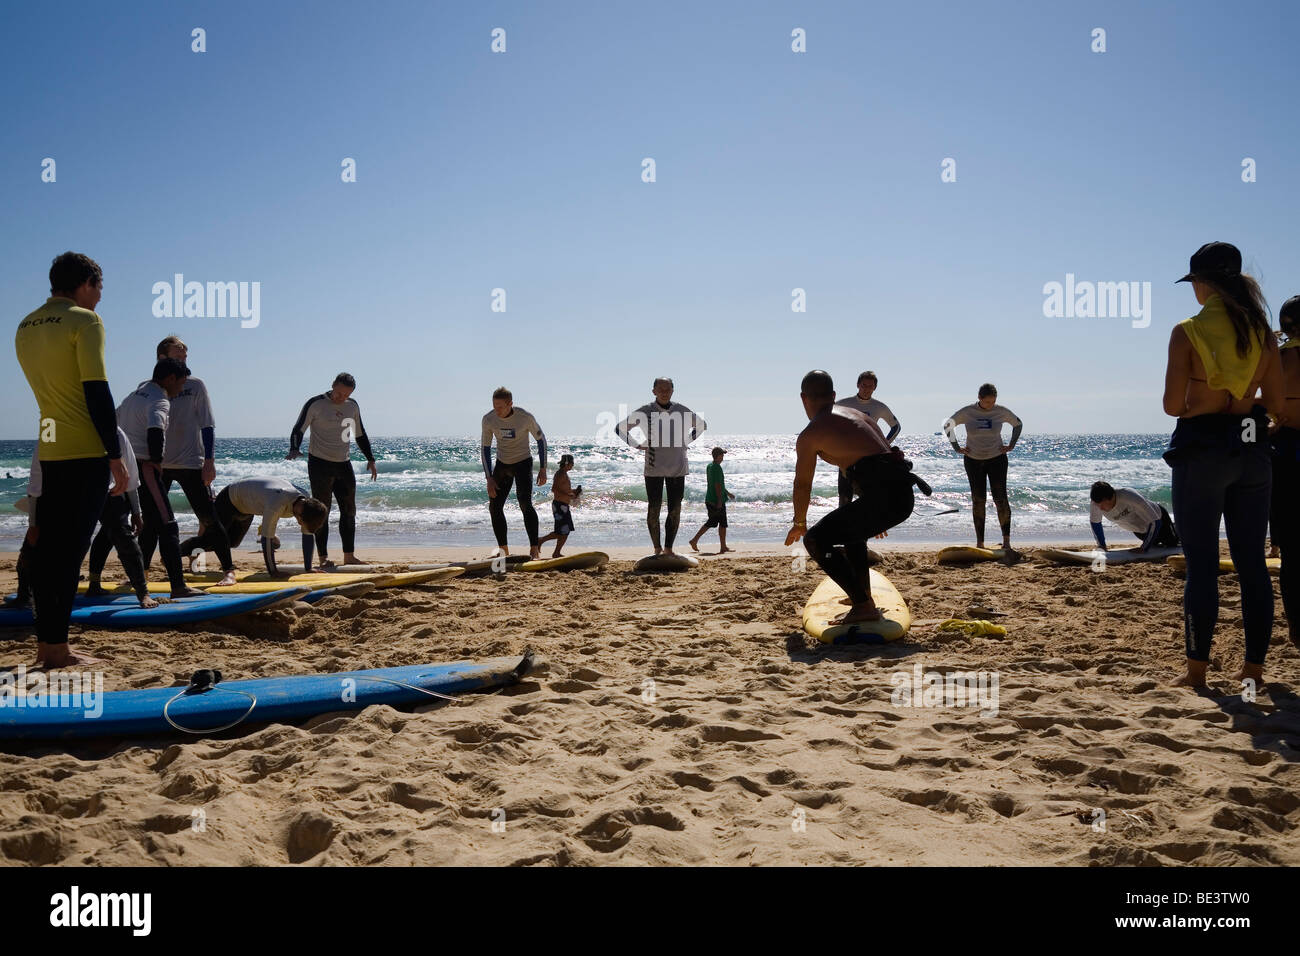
<point x="301" y="425"/>
<point x="1016" y="425"/>
<point x="541" y="442"/>
<point x="959" y="417"/>
<point x="157" y="440"/>
<point x="894" y="427"/>
<point x="638" y="419"/>
<point x="485" y="444"/>
<point x="99" y="403"/>
<point x="363" y="440"/>
<point x="268" y="554"/>
<point x="1094" y="519"/>
<point x="698" y="427"/>
<point x="207" y="424"/>
<point x="133" y="499"/>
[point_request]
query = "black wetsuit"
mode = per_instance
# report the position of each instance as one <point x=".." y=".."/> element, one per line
<point x="115" y="532"/>
<point x="1217" y="475"/>
<point x="994" y="472"/>
<point x="520" y="476"/>
<point x="654" y="493"/>
<point x="838" y="543"/>
<point x="1285" y="517"/>
<point x="199" y="495"/>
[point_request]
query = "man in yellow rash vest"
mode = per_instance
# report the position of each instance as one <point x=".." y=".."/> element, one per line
<point x="60" y="347"/>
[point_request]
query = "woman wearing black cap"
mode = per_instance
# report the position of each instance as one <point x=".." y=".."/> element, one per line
<point x="1284" y="516"/>
<point x="1219" y="360"/>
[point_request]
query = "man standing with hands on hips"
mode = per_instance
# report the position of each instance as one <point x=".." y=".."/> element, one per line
<point x="669" y="428"/>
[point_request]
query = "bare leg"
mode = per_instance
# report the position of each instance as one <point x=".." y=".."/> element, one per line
<point x="695" y="541"/>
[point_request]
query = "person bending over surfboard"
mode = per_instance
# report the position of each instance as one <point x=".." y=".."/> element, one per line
<point x="564" y="495"/>
<point x="334" y="419"/>
<point x="668" y="428"/>
<point x="985" y="457"/>
<point x="1148" y="521"/>
<point x="143" y="417"/>
<point x="1219" y="360"/>
<point x="881" y="476"/>
<point x="273" y="499"/>
<point x="1285" y="505"/>
<point x="874" y="409"/>
<point x="511" y="426"/>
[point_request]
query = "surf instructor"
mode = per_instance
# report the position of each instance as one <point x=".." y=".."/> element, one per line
<point x="881" y="476"/>
<point x="669" y="428"/>
<point x="985" y="457"/>
<point x="510" y="427"/>
<point x="60" y="347"/>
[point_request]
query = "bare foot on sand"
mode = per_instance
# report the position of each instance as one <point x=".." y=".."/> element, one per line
<point x="1195" y="676"/>
<point x="352" y="559"/>
<point x="1249" y="671"/>
<point x="53" y="656"/>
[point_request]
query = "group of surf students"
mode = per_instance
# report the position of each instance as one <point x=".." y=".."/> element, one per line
<point x="1233" y="453"/>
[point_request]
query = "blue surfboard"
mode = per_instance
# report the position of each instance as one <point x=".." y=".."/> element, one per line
<point x="116" y="611"/>
<point x="172" y="711"/>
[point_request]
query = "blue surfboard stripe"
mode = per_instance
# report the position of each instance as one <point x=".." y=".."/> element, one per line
<point x="124" y="611"/>
<point x="128" y="713"/>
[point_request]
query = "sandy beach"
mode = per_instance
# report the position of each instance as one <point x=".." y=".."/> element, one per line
<point x="687" y="719"/>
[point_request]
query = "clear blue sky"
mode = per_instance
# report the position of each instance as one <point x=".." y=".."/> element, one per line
<point x="775" y="170"/>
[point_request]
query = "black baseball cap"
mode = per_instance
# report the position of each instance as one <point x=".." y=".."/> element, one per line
<point x="1290" y="309"/>
<point x="1214" y="260"/>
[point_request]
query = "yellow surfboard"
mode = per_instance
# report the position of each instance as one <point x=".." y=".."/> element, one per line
<point x="1179" y="563"/>
<point x="313" y="582"/>
<point x="829" y="601"/>
<point x="570" y="562"/>
<point x="960" y="554"/>
<point x="408" y="578"/>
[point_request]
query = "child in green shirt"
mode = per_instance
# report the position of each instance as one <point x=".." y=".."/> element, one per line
<point x="715" y="500"/>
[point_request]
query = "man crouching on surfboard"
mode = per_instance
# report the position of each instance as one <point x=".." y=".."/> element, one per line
<point x="848" y="439"/>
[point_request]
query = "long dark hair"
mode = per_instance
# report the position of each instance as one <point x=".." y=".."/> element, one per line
<point x="1246" y="307"/>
